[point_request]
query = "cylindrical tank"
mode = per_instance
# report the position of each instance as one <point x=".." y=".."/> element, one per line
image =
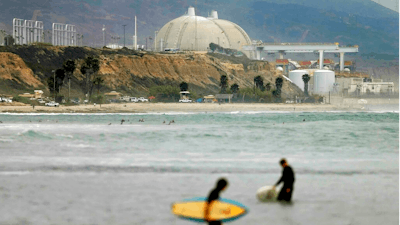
<point x="214" y="14"/>
<point x="191" y="11"/>
<point x="297" y="77"/>
<point x="323" y="81"/>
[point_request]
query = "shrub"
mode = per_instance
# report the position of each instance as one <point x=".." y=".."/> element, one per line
<point x="22" y="99"/>
<point x="165" y="93"/>
<point x="98" y="99"/>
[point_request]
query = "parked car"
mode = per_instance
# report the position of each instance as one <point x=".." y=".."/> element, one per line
<point x="5" y="100"/>
<point x="41" y="101"/>
<point x="142" y="99"/>
<point x="185" y="100"/>
<point x="134" y="99"/>
<point x="125" y="98"/>
<point x="52" y="104"/>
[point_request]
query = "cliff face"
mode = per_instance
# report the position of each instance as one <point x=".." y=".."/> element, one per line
<point x="16" y="75"/>
<point x="132" y="73"/>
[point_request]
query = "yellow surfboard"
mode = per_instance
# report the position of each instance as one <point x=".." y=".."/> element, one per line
<point x="223" y="210"/>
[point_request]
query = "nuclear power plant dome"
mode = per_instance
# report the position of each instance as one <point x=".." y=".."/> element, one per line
<point x="195" y="33"/>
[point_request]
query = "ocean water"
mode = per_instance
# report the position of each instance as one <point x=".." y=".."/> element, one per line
<point x="90" y="169"/>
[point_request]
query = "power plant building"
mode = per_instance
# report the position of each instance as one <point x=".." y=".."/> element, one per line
<point x="195" y="33"/>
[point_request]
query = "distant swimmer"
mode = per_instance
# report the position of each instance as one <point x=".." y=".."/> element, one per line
<point x="40" y="120"/>
<point x="141" y="120"/>
<point x="1" y="121"/>
<point x="122" y="121"/>
<point x="109" y="124"/>
<point x="222" y="184"/>
<point x="164" y="121"/>
<point x="288" y="180"/>
<point x="173" y="121"/>
<point x="304" y="120"/>
<point x="283" y="123"/>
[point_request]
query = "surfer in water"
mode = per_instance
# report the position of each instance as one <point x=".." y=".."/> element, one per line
<point x="214" y="195"/>
<point x="288" y="180"/>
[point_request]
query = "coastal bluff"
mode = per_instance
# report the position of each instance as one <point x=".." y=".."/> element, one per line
<point x="25" y="68"/>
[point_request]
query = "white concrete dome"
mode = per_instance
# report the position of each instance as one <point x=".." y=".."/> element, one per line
<point x="181" y="33"/>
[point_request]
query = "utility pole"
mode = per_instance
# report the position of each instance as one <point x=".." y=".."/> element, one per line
<point x="54" y="84"/>
<point x="155" y="41"/>
<point x="104" y="35"/>
<point x="124" y="34"/>
<point x="135" y="47"/>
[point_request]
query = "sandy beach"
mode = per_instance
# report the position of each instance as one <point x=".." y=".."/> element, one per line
<point x="177" y="107"/>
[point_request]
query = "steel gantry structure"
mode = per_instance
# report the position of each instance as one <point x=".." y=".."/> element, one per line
<point x="320" y="48"/>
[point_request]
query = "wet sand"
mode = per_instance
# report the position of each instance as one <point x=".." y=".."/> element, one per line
<point x="178" y="107"/>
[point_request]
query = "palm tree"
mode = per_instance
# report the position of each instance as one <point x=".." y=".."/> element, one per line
<point x="306" y="78"/>
<point x="235" y="88"/>
<point x="184" y="86"/>
<point x="69" y="68"/>
<point x="90" y="67"/>
<point x="98" y="81"/>
<point x="278" y="84"/>
<point x="223" y="84"/>
<point x="259" y="82"/>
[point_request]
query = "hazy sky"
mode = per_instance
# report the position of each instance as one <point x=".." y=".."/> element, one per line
<point x="391" y="4"/>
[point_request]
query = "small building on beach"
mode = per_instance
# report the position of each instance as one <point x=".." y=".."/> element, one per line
<point x="113" y="95"/>
<point x="210" y="99"/>
<point x="224" y="98"/>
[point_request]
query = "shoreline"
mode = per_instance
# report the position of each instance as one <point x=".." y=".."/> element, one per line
<point x="182" y="107"/>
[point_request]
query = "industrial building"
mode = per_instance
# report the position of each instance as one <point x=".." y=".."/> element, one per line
<point x="360" y="86"/>
<point x="195" y="33"/>
<point x="320" y="48"/>
<point x="325" y="82"/>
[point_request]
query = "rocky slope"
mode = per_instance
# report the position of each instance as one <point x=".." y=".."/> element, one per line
<point x="26" y="68"/>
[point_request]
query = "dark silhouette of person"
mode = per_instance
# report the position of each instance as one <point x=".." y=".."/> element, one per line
<point x="288" y="180"/>
<point x="213" y="196"/>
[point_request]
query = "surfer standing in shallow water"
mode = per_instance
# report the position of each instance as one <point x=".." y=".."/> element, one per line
<point x="288" y="180"/>
<point x="214" y="195"/>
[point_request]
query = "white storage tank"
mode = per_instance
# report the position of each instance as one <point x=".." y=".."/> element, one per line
<point x="323" y="81"/>
<point x="297" y="77"/>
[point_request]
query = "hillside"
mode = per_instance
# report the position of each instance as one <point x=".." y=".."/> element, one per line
<point x="25" y="68"/>
<point x="373" y="27"/>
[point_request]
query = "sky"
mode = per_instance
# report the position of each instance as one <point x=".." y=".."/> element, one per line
<point x="391" y="4"/>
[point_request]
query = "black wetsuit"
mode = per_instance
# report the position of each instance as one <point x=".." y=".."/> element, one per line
<point x="288" y="181"/>
<point x="214" y="195"/>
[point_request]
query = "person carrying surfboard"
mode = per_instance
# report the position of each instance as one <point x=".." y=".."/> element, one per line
<point x="214" y="195"/>
<point x="288" y="180"/>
